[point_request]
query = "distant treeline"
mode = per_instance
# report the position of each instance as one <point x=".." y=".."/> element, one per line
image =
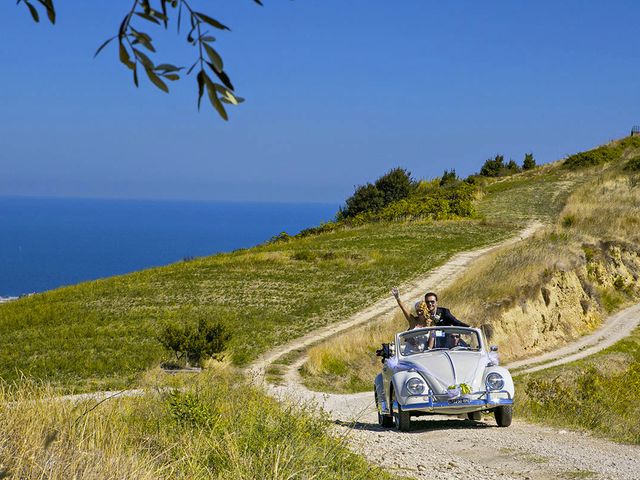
<point x="396" y="195"/>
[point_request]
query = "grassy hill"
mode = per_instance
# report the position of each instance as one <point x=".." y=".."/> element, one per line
<point x="103" y="334"/>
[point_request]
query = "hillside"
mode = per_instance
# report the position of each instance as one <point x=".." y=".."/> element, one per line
<point x="543" y="292"/>
<point x="103" y="334"/>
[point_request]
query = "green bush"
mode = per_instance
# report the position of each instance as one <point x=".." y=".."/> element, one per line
<point x="604" y="154"/>
<point x="529" y="162"/>
<point x="493" y="167"/>
<point x="597" y="156"/>
<point x="449" y="178"/>
<point x="395" y="185"/>
<point x="371" y="198"/>
<point x="633" y="165"/>
<point x="366" y="198"/>
<point x="194" y="341"/>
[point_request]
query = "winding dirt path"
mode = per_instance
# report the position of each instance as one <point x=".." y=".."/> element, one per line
<point x="449" y="447"/>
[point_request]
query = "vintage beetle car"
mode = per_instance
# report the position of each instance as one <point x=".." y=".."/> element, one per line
<point x="441" y="370"/>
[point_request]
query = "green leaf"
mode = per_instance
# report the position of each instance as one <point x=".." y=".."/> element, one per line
<point x="227" y="96"/>
<point x="102" y="46"/>
<point x="51" y="11"/>
<point x="214" y="23"/>
<point x="215" y="58"/>
<point x="221" y="75"/>
<point x="33" y="11"/>
<point x="171" y="76"/>
<point x="167" y="67"/>
<point x="135" y="76"/>
<point x="148" y="17"/>
<point x="207" y="38"/>
<point x="200" y="78"/>
<point x="146" y="61"/>
<point x="144" y="40"/>
<point x="155" y="79"/>
<point x="124" y="57"/>
<point x="213" y="98"/>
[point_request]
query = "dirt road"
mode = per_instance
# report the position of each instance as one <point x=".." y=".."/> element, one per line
<point x="449" y="447"/>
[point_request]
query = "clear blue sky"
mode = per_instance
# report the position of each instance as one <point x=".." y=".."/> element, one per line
<point x="338" y="92"/>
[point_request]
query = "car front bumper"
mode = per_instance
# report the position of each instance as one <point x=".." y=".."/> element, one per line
<point x="475" y="401"/>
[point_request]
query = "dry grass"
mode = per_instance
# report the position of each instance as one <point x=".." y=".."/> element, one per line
<point x="46" y="438"/>
<point x="214" y="426"/>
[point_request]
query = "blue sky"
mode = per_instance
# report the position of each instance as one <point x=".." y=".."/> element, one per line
<point x="338" y="92"/>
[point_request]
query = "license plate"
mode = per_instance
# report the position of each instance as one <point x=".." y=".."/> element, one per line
<point x="459" y="400"/>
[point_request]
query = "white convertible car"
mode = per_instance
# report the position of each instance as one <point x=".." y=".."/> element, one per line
<point x="441" y="370"/>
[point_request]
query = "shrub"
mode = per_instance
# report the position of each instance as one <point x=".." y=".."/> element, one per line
<point x="493" y="167"/>
<point x="395" y="185"/>
<point x="633" y="165"/>
<point x="512" y="167"/>
<point x="449" y="178"/>
<point x="366" y="198"/>
<point x="529" y="162"/>
<point x="391" y="187"/>
<point x="597" y="156"/>
<point x="194" y="341"/>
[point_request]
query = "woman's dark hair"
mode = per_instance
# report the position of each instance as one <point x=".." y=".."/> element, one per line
<point x="430" y="294"/>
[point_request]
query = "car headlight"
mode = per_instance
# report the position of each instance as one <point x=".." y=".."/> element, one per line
<point x="415" y="386"/>
<point x="494" y="381"/>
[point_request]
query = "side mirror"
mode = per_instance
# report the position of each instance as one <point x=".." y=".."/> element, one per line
<point x="384" y="351"/>
<point x="493" y="348"/>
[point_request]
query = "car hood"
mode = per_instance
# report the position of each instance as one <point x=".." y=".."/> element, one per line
<point x="444" y="368"/>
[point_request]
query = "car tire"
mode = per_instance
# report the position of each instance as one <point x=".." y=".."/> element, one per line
<point x="504" y="415"/>
<point x="475" y="416"/>
<point x="385" y="421"/>
<point x="401" y="419"/>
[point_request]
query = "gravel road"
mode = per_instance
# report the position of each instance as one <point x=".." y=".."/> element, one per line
<point x="450" y="447"/>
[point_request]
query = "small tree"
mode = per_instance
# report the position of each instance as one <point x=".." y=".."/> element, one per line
<point x="449" y="178"/>
<point x="366" y="198"/>
<point x="395" y="185"/>
<point x="194" y="341"/>
<point x="529" y="162"/>
<point x="512" y="167"/>
<point x="493" y="167"/>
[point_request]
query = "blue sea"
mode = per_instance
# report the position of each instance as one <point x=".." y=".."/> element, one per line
<point x="47" y="243"/>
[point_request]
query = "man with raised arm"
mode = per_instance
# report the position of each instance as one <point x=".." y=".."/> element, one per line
<point x="427" y="313"/>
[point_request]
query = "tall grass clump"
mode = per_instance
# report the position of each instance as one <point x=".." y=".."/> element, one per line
<point x="603" y="154"/>
<point x="598" y="394"/>
<point x="216" y="427"/>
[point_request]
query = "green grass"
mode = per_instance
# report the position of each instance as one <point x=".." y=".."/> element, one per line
<point x="102" y="334"/>
<point x="599" y="393"/>
<point x="538" y="194"/>
<point x="214" y="426"/>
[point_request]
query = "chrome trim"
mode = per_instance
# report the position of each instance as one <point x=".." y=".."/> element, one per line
<point x="433" y="402"/>
<point x="453" y="367"/>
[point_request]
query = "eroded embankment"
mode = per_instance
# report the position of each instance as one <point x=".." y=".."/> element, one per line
<point x="570" y="302"/>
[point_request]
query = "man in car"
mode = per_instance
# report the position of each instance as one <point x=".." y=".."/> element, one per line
<point x="427" y="313"/>
<point x="439" y="315"/>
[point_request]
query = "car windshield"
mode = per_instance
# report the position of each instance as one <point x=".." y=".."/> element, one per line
<point x="423" y="340"/>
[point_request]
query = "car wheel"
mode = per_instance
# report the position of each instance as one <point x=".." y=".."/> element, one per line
<point x="401" y="420"/>
<point x="475" y="416"/>
<point x="384" y="420"/>
<point x="503" y="415"/>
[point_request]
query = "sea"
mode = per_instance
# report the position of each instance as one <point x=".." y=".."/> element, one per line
<point x="46" y="243"/>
